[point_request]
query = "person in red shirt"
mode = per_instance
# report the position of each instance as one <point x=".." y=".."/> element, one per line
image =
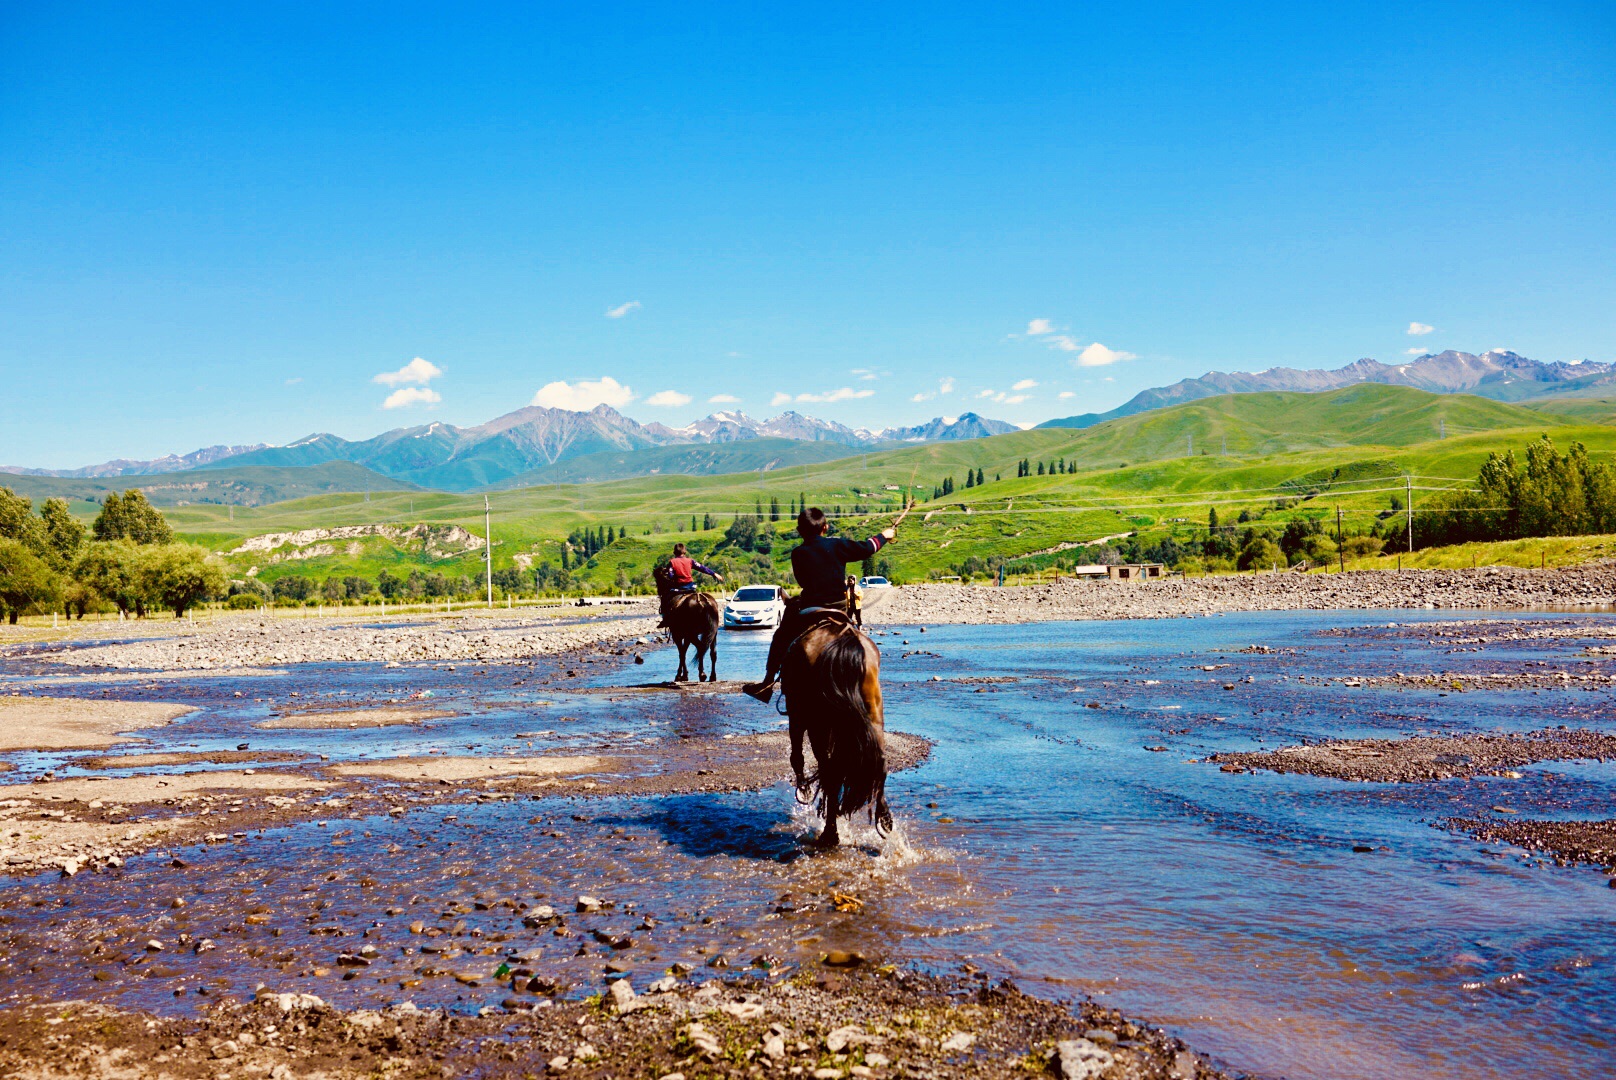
<point x="683" y="570"/>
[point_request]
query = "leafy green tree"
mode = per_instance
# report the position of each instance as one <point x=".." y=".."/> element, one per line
<point x="293" y="587"/>
<point x="26" y="580"/>
<point x="1259" y="552"/>
<point x="17" y="522"/>
<point x="64" y="533"/>
<point x="130" y="517"/>
<point x="355" y="587"/>
<point x="111" y="569"/>
<point x="179" y="576"/>
<point x="389" y="585"/>
<point x="332" y="590"/>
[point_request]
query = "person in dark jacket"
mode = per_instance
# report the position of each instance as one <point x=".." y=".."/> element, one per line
<point x="819" y="564"/>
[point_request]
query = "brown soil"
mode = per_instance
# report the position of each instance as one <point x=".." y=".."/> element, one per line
<point x="38" y="723"/>
<point x="1426" y="758"/>
<point x="355" y="718"/>
<point x="1571" y="841"/>
<point x="860" y="1022"/>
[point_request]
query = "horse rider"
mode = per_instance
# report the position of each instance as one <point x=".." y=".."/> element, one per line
<point x="819" y="564"/>
<point x="682" y="571"/>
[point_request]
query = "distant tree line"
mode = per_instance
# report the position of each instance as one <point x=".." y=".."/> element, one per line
<point x="127" y="560"/>
<point x="1547" y="494"/>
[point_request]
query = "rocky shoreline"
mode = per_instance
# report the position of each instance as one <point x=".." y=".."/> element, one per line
<point x="845" y="1019"/>
<point x="1592" y="585"/>
<point x="1425" y="758"/>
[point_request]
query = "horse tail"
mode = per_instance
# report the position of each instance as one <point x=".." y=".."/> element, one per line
<point x="855" y="745"/>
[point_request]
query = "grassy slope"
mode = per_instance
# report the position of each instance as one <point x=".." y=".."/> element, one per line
<point x="1130" y="474"/>
<point x="1581" y="410"/>
<point x="245" y="485"/>
<point x="703" y="459"/>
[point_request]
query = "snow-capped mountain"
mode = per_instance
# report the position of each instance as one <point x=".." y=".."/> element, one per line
<point x="1498" y="374"/>
<point x="445" y="456"/>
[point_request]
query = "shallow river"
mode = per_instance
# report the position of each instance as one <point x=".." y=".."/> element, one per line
<point x="1230" y="908"/>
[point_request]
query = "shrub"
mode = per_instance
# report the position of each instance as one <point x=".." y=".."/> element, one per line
<point x="244" y="601"/>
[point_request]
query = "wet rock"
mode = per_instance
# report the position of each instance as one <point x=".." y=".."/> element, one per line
<point x="842" y="958"/>
<point x="703" y="1041"/>
<point x="958" y="1042"/>
<point x="1082" y="1059"/>
<point x="588" y="903"/>
<point x="622" y="996"/>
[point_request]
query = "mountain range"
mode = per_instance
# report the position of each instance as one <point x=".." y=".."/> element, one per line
<point x="1498" y="374"/>
<point x="529" y="443"/>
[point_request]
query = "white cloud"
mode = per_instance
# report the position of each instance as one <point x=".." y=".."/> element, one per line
<point x="865" y="374"/>
<point x="411" y="395"/>
<point x="984" y="393"/>
<point x="668" y="399"/>
<point x="999" y="397"/>
<point x="1040" y="326"/>
<point x="1419" y="329"/>
<point x="1416" y="351"/>
<point x="417" y="372"/>
<point x="846" y="393"/>
<point x="584" y="394"/>
<point x="780" y="398"/>
<point x="1067" y="394"/>
<point x="922" y="397"/>
<point x="1097" y="355"/>
<point x="1024" y="384"/>
<point x="622" y="309"/>
<point x="944" y="386"/>
<point x="723" y="399"/>
<point x="294" y="381"/>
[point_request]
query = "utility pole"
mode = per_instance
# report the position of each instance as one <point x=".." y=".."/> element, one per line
<point x="1441" y="427"/>
<point x="488" y="549"/>
<point x="1340" y="550"/>
<point x="1191" y="438"/>
<point x="1409" y="480"/>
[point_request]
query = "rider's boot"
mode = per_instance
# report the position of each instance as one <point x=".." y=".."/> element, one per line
<point x="763" y="691"/>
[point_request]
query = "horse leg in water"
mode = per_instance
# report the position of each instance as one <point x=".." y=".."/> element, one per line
<point x="684" y="672"/>
<point x="712" y="657"/>
<point x="870" y="691"/>
<point x="798" y="766"/>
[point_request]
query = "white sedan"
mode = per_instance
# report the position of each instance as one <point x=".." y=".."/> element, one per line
<point x="758" y="606"/>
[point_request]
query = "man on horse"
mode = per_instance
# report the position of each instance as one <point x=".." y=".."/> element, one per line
<point x="819" y="564"/>
<point x="682" y="571"/>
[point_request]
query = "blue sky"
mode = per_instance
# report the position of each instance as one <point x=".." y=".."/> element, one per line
<point x="221" y="223"/>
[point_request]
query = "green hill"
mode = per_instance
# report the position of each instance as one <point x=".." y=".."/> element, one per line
<point x="1287" y="455"/>
<point x="1582" y="410"/>
<point x="245" y="485"/>
<point x="702" y="459"/>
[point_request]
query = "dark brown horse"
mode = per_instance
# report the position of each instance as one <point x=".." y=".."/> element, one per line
<point x="692" y="619"/>
<point x="832" y="685"/>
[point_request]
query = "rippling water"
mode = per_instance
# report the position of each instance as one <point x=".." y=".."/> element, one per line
<point x="1061" y="852"/>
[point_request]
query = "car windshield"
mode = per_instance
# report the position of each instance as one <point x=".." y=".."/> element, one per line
<point x="754" y="596"/>
<point x="875" y="581"/>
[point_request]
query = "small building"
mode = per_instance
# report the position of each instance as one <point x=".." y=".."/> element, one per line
<point x="1135" y="571"/>
<point x="1092" y="570"/>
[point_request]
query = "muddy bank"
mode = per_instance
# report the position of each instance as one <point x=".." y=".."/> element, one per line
<point x="1494" y="587"/>
<point x="94" y="823"/>
<point x="248" y="642"/>
<point x="1568" y="841"/>
<point x="353" y="718"/>
<point x="210" y="757"/>
<point x="28" y="723"/>
<point x="1426" y="758"/>
<point x="830" y="1023"/>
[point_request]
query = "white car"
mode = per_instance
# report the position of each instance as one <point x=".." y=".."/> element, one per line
<point x="760" y="606"/>
<point x="874" y="583"/>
